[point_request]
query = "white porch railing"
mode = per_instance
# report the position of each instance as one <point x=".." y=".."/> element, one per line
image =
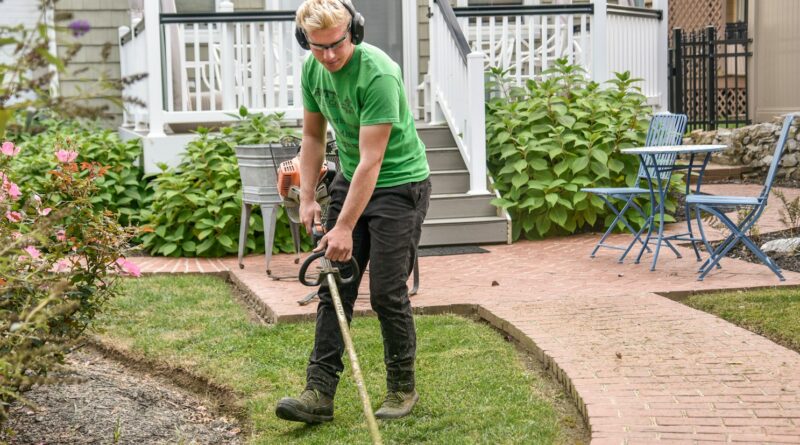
<point x="456" y="91"/>
<point x="203" y="67"/>
<point x="525" y="40"/>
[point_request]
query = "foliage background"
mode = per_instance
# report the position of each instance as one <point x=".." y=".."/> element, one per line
<point x="553" y="137"/>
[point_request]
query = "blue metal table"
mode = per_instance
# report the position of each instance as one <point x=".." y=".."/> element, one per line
<point x="649" y="157"/>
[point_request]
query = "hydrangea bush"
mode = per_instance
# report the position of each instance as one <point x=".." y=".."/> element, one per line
<point x="59" y="260"/>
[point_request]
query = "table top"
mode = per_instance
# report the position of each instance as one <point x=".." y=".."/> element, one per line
<point x="663" y="149"/>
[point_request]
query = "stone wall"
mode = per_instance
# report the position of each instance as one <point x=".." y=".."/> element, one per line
<point x="754" y="146"/>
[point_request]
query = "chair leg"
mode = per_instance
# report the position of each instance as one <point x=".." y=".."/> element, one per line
<point x="620" y="217"/>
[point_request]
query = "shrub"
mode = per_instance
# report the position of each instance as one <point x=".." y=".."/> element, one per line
<point x="197" y="206"/>
<point x="58" y="260"/>
<point x="121" y="190"/>
<point x="553" y="137"/>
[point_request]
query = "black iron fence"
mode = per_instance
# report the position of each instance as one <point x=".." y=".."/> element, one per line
<point x="708" y="76"/>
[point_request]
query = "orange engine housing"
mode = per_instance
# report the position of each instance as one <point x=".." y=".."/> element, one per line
<point x="289" y="175"/>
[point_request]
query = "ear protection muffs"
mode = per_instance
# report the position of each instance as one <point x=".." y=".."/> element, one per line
<point x="356" y="27"/>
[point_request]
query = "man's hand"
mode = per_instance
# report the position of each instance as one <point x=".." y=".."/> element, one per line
<point x="310" y="213"/>
<point x="338" y="244"/>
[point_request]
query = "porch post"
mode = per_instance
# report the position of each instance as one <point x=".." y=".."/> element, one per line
<point x="123" y="72"/>
<point x="476" y="124"/>
<point x="599" y="35"/>
<point x="155" y="101"/>
<point x="663" y="55"/>
<point x="410" y="55"/>
<point x="227" y="61"/>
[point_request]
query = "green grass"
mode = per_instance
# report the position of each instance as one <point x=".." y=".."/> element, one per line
<point x="473" y="386"/>
<point x="773" y="313"/>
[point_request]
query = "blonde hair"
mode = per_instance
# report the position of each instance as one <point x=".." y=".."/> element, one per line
<point x="314" y="15"/>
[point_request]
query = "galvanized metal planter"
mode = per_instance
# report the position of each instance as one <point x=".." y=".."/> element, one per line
<point x="258" y="168"/>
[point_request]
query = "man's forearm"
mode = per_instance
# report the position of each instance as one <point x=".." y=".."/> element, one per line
<point x="311" y="156"/>
<point x="361" y="187"/>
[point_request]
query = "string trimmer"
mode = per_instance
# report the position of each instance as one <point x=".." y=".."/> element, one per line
<point x="333" y="276"/>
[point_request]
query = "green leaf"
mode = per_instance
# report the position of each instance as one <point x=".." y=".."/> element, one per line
<point x="566" y="120"/>
<point x="519" y="179"/>
<point x="551" y="198"/>
<point x="225" y="241"/>
<point x="580" y="163"/>
<point x="168" y="248"/>
<point x="600" y="155"/>
<point x="558" y="215"/>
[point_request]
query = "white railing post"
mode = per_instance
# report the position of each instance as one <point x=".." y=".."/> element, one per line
<point x="226" y="56"/>
<point x="663" y="54"/>
<point x="152" y="32"/>
<point x="599" y="35"/>
<point x="476" y="124"/>
<point x="434" y="63"/>
<point x="124" y="70"/>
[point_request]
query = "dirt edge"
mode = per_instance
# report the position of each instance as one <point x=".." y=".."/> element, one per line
<point x="221" y="399"/>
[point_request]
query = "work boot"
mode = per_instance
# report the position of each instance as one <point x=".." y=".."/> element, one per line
<point x="397" y="404"/>
<point x="311" y="407"/>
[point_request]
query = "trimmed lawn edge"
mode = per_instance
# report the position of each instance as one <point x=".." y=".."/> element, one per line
<point x="221" y="399"/>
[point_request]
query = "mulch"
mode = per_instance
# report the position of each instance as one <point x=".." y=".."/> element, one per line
<point x="103" y="401"/>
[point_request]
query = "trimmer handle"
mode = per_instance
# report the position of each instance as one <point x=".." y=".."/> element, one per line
<point x="327" y="267"/>
<point x="326" y="270"/>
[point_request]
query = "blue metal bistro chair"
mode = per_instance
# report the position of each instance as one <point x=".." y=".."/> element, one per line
<point x="664" y="129"/>
<point x="717" y="205"/>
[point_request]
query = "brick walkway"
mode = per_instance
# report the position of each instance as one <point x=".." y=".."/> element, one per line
<point x="641" y="367"/>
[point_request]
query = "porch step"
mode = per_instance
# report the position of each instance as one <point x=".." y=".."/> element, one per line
<point x="435" y="136"/>
<point x="450" y="231"/>
<point x="449" y="181"/>
<point x="461" y="205"/>
<point x="445" y="158"/>
<point x="718" y="172"/>
<point x="455" y="217"/>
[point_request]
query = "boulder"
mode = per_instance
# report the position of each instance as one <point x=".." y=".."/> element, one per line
<point x="782" y="247"/>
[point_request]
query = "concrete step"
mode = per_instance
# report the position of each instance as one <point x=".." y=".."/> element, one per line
<point x="445" y="158"/>
<point x="450" y="231"/>
<point x="449" y="181"/>
<point x="461" y="205"/>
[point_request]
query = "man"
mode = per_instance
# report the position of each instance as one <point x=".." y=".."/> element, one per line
<point x="379" y="199"/>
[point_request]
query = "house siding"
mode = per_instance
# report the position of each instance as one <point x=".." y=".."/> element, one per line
<point x="776" y="58"/>
<point x="104" y="17"/>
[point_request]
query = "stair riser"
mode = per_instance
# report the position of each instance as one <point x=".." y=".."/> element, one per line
<point x="461" y="207"/>
<point x="445" y="160"/>
<point x="447" y="183"/>
<point x="436" y="137"/>
<point x="449" y="234"/>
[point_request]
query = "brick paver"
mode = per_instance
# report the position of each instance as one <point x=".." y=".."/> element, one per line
<point x="642" y="368"/>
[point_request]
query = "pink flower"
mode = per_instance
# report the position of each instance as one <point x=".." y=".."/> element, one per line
<point x="65" y="156"/>
<point x="14" y="216"/>
<point x="9" y="149"/>
<point x="62" y="266"/>
<point x="45" y="211"/>
<point x="33" y="252"/>
<point x="128" y="267"/>
<point x="13" y="190"/>
<point x="16" y="235"/>
<point x="61" y="235"/>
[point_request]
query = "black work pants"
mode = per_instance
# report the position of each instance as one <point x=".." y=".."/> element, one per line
<point x="385" y="237"/>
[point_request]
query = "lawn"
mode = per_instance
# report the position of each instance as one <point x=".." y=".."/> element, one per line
<point x="773" y="313"/>
<point x="473" y="385"/>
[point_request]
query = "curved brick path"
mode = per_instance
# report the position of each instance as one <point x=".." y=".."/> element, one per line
<point x="641" y="367"/>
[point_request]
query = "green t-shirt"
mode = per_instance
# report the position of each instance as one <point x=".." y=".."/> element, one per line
<point x="368" y="90"/>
